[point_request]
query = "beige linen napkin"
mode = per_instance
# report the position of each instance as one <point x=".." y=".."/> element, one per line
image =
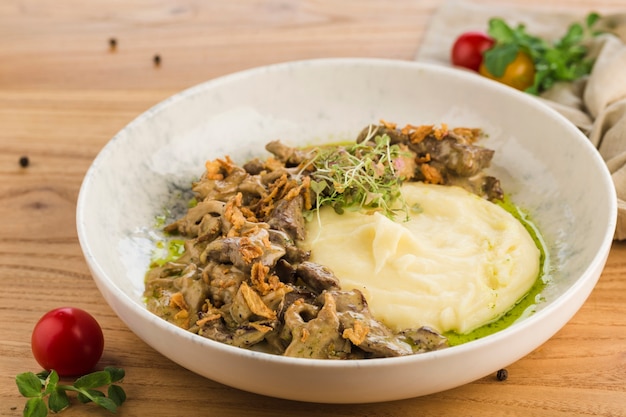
<point x="596" y="104"/>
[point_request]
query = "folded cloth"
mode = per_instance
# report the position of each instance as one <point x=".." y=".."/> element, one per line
<point x="596" y="104"/>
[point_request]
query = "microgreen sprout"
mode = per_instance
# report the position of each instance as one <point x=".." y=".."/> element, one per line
<point x="359" y="176"/>
<point x="36" y="387"/>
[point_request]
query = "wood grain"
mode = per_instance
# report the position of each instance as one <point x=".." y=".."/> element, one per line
<point x="64" y="93"/>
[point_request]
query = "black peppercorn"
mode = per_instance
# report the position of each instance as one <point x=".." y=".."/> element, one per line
<point x="502" y="375"/>
<point x="24" y="161"/>
<point x="112" y="43"/>
<point x="157" y="60"/>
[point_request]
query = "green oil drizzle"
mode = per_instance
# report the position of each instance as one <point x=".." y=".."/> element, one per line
<point x="525" y="306"/>
<point x="167" y="251"/>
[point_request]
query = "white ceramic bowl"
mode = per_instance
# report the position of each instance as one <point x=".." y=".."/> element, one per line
<point x="544" y="162"/>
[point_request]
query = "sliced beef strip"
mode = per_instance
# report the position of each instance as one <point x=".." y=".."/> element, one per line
<point x="318" y="338"/>
<point x="268" y="177"/>
<point x="317" y="277"/>
<point x="492" y="189"/>
<point x="250" y="334"/>
<point x="252" y="189"/>
<point x="224" y="282"/>
<point x="285" y="271"/>
<point x="288" y="217"/>
<point x="460" y="159"/>
<point x="191" y="223"/>
<point x="371" y="131"/>
<point x="254" y="166"/>
<point x="280" y="339"/>
<point x="424" y="339"/>
<point x="288" y="155"/>
<point x="245" y="335"/>
<point x="243" y="251"/>
<point x="297" y="293"/>
<point x="193" y="287"/>
<point x="293" y="253"/>
<point x="248" y="306"/>
<point x="221" y="190"/>
<point x="482" y="185"/>
<point x="379" y="340"/>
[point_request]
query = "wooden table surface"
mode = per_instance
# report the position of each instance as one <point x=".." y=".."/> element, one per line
<point x="64" y="92"/>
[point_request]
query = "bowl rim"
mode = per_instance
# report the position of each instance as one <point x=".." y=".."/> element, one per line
<point x="101" y="278"/>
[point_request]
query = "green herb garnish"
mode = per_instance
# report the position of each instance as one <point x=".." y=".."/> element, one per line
<point x="562" y="60"/>
<point x="36" y="387"/>
<point x="167" y="251"/>
<point x="358" y="176"/>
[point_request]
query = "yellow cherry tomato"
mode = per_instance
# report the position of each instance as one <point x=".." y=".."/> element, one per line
<point x="520" y="73"/>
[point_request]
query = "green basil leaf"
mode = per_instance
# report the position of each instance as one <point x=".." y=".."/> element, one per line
<point x="117" y="374"/>
<point x="35" y="407"/>
<point x="592" y="18"/>
<point x="117" y="394"/>
<point x="499" y="57"/>
<point x="28" y="384"/>
<point x="58" y="401"/>
<point x="554" y="58"/>
<point x="584" y="67"/>
<point x="536" y="87"/>
<point x="107" y="403"/>
<point x="93" y="380"/>
<point x="89" y="395"/>
<point x="548" y="82"/>
<point x="94" y="393"/>
<point x="576" y="53"/>
<point x="51" y="383"/>
<point x="83" y="398"/>
<point x="500" y="31"/>
<point x="535" y="47"/>
<point x="573" y="35"/>
<point x="43" y="374"/>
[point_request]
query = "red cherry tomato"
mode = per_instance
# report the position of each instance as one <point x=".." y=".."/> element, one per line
<point x="68" y="340"/>
<point x="467" y="50"/>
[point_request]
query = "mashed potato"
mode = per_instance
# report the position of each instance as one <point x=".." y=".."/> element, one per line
<point x="458" y="263"/>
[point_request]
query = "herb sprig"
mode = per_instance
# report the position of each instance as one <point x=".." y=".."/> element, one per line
<point x="358" y="176"/>
<point x="562" y="60"/>
<point x="36" y="387"/>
